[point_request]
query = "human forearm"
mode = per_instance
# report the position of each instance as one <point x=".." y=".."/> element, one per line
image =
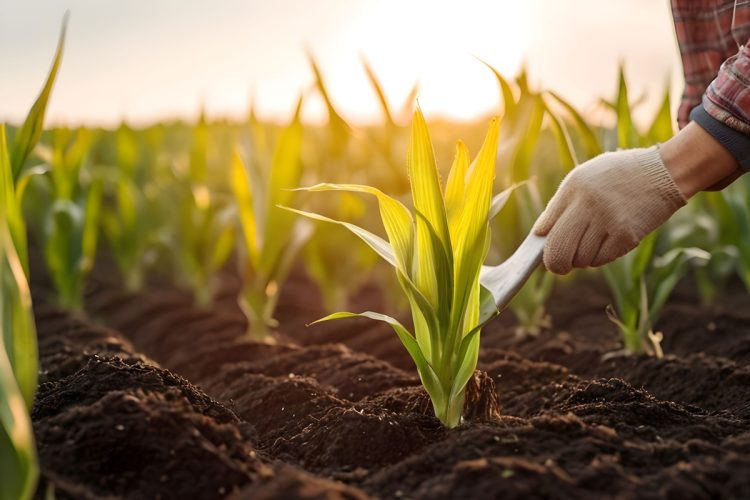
<point x="697" y="161"/>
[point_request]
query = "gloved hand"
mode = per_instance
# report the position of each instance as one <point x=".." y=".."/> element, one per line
<point x="605" y="207"/>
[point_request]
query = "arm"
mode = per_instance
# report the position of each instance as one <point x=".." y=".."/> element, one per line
<point x="607" y="205"/>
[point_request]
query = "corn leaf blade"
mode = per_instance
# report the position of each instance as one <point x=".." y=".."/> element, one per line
<point x="31" y="130"/>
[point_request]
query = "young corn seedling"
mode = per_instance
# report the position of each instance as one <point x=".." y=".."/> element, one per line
<point x="71" y="221"/>
<point x="709" y="222"/>
<point x="271" y="236"/>
<point x="437" y="251"/>
<point x="720" y="223"/>
<point x="126" y="220"/>
<point x="642" y="281"/>
<point x="18" y="350"/>
<point x="207" y="229"/>
<point x="18" y="344"/>
<point x="641" y="284"/>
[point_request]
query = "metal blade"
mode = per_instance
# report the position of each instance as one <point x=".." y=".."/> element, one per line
<point x="505" y="280"/>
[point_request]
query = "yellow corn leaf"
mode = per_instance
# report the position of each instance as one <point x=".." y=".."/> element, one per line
<point x="472" y="234"/>
<point x="428" y="200"/>
<point x="455" y="188"/>
<point x="378" y="244"/>
<point x="286" y="170"/>
<point x="397" y="221"/>
<point x="243" y="193"/>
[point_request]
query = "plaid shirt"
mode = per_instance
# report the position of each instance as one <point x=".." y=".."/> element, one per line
<point x="714" y="38"/>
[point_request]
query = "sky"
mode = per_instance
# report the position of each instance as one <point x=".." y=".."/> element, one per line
<point x="143" y="61"/>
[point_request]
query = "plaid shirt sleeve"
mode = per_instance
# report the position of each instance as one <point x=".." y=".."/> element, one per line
<point x="709" y="33"/>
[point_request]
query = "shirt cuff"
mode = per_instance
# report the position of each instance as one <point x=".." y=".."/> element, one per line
<point x="737" y="143"/>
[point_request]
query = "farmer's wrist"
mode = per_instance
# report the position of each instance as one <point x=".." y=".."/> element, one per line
<point x="696" y="161"/>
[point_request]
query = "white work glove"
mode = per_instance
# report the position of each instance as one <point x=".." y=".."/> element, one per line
<point x="605" y="207"/>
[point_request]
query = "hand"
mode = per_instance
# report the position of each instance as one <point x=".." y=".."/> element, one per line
<point x="607" y="205"/>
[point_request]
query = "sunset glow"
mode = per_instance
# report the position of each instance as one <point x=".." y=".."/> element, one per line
<point x="147" y="61"/>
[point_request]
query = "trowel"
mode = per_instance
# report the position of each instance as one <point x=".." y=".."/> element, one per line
<point x="506" y="279"/>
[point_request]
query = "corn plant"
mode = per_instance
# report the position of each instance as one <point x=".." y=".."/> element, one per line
<point x="206" y="232"/>
<point x="126" y="219"/>
<point x="18" y="351"/>
<point x="642" y="281"/>
<point x="641" y="284"/>
<point x="18" y="343"/>
<point x="71" y="218"/>
<point x="437" y="251"/>
<point x="271" y="236"/>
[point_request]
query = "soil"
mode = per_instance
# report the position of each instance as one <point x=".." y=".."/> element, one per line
<point x="149" y="396"/>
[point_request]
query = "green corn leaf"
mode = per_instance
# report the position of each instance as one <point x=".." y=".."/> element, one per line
<point x="397" y="220"/>
<point x="468" y="354"/>
<point x="591" y="144"/>
<point x="91" y="226"/>
<point x="443" y="261"/>
<point x="63" y="249"/>
<point x="378" y="244"/>
<point x="671" y="268"/>
<point x="18" y="372"/>
<point x="31" y="130"/>
<point x="17" y="322"/>
<point x="11" y="203"/>
<point x="642" y="256"/>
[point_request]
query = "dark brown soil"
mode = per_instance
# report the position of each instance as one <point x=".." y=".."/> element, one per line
<point x="336" y="410"/>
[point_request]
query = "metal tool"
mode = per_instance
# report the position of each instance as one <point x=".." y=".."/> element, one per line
<point x="506" y="279"/>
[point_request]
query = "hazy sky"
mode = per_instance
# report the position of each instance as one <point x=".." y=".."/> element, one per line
<point x="145" y="60"/>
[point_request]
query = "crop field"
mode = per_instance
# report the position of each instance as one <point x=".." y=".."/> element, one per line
<point x="249" y="309"/>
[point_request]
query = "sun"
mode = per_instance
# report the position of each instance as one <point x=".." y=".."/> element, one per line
<point x="435" y="44"/>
